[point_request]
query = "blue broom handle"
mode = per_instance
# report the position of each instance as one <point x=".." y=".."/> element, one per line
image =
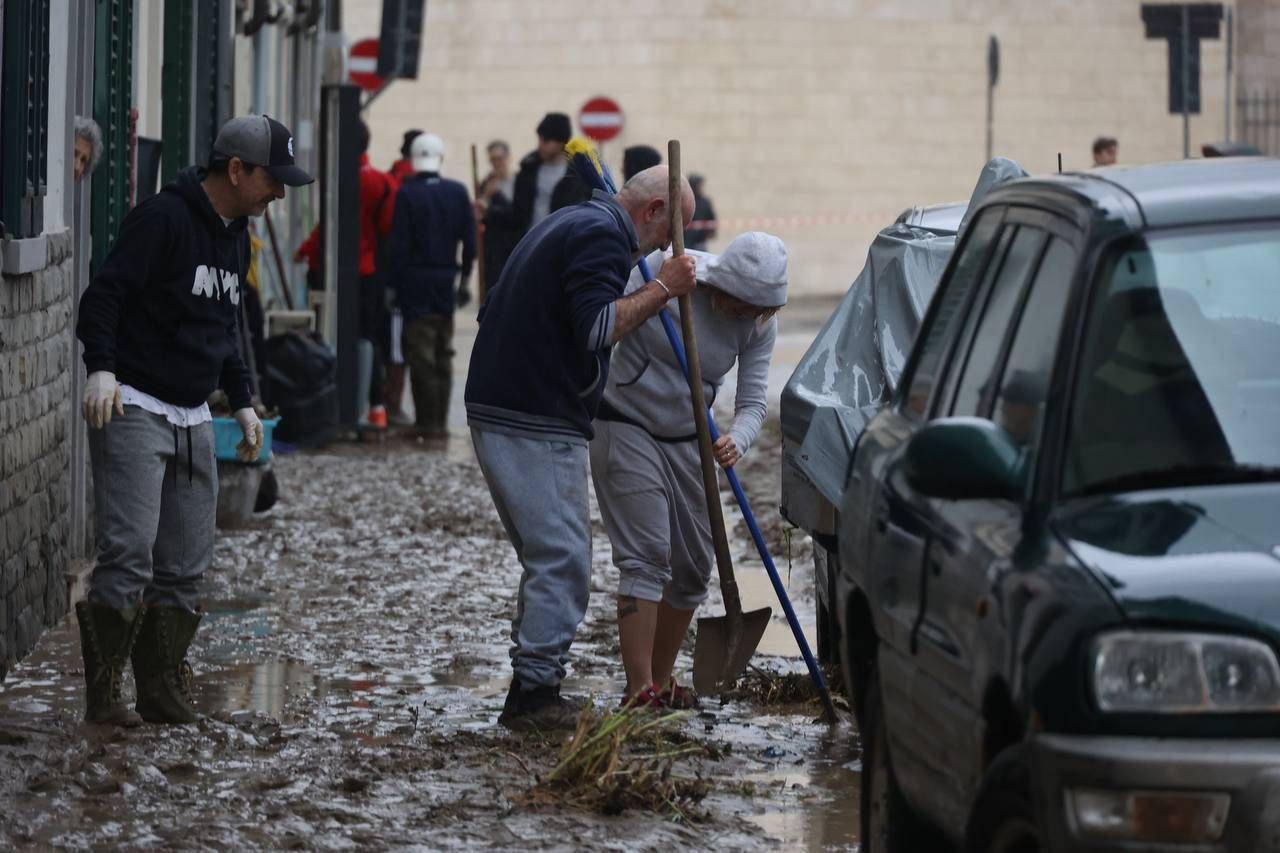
<point x="814" y="672"/>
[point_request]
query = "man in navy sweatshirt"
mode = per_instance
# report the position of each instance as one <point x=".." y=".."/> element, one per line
<point x="538" y="370"/>
<point x="159" y="327"/>
<point x="433" y="218"/>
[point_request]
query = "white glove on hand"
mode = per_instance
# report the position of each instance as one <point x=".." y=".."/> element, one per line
<point x="251" y="445"/>
<point x="101" y="397"/>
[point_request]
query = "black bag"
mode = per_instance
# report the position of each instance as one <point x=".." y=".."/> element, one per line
<point x="302" y="385"/>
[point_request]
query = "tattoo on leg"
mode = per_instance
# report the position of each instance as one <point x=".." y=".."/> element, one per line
<point x="627" y="606"/>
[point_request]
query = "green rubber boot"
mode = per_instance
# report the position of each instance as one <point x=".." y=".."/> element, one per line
<point x="106" y="639"/>
<point x="160" y="665"/>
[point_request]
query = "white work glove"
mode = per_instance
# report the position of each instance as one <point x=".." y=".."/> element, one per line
<point x="101" y="397"/>
<point x="251" y="445"/>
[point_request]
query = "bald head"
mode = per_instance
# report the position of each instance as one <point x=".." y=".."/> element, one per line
<point x="644" y="197"/>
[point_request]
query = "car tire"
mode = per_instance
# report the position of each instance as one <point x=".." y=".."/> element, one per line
<point x="888" y="824"/>
<point x="1003" y="819"/>
<point x="828" y="645"/>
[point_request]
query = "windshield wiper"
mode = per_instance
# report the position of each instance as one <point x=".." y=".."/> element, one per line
<point x="1184" y="475"/>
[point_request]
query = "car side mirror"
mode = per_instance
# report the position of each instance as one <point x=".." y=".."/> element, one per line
<point x="965" y="459"/>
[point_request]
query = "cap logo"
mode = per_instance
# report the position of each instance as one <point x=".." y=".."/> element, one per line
<point x="290" y="146"/>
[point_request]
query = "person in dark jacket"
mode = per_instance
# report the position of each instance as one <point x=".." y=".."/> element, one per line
<point x="433" y="216"/>
<point x="703" y="228"/>
<point x="496" y="209"/>
<point x="159" y="328"/>
<point x="637" y="158"/>
<point x="544" y="182"/>
<point x="538" y="369"/>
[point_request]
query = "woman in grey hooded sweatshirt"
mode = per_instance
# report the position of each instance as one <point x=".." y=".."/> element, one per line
<point x="644" y="457"/>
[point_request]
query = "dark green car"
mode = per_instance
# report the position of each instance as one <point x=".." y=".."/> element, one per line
<point x="1058" y="590"/>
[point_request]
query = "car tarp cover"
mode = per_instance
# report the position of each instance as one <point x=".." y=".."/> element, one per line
<point x="854" y="363"/>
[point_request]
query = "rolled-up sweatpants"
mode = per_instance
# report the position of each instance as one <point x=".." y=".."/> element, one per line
<point x="540" y="491"/>
<point x="155" y="494"/>
<point x="654" y="509"/>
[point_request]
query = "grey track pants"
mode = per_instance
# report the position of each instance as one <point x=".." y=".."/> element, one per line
<point x="654" y="508"/>
<point x="155" y="492"/>
<point x="540" y="491"/>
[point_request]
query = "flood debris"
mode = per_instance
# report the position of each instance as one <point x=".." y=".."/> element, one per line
<point x="626" y="760"/>
<point x="771" y="689"/>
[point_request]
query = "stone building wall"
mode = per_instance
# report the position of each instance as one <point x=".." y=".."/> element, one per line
<point x="35" y="482"/>
<point x="820" y="120"/>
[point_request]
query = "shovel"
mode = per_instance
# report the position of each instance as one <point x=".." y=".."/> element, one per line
<point x="725" y="643"/>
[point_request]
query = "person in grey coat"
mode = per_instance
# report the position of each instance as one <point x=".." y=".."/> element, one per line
<point x="644" y="456"/>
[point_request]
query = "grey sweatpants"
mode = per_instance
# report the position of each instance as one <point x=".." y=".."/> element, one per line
<point x="155" y="492"/>
<point x="540" y="491"/>
<point x="655" y="511"/>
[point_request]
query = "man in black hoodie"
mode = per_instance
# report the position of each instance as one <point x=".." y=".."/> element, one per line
<point x="159" y="327"/>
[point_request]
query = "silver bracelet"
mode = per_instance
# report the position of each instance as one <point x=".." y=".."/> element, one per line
<point x="658" y="282"/>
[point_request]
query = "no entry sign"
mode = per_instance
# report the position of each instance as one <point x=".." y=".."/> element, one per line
<point x="601" y="119"/>
<point x="363" y="65"/>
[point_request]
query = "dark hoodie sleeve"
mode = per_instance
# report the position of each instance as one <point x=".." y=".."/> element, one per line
<point x="468" y="222"/>
<point x="235" y="374"/>
<point x="145" y="236"/>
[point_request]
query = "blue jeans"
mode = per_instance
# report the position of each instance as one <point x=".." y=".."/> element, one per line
<point x="540" y="491"/>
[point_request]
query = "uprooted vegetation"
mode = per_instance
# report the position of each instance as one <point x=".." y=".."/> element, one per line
<point x="627" y="760"/>
<point x="763" y="687"/>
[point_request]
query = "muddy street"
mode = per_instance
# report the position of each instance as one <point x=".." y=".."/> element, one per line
<point x="352" y="664"/>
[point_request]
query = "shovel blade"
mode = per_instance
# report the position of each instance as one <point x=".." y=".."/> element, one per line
<point x="717" y="660"/>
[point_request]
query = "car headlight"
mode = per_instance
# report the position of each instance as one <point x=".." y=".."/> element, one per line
<point x="1166" y="672"/>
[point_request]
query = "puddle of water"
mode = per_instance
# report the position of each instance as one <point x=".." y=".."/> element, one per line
<point x="264" y="687"/>
<point x="807" y="788"/>
<point x="757" y="591"/>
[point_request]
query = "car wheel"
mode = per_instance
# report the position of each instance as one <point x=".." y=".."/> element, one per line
<point x="1003" y="819"/>
<point x="888" y="825"/>
<point x="822" y="568"/>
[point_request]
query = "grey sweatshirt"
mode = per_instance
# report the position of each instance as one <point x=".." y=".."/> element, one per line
<point x="647" y="386"/>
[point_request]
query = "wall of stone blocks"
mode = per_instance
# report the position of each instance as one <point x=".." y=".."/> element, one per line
<point x="35" y="485"/>
<point x="842" y="111"/>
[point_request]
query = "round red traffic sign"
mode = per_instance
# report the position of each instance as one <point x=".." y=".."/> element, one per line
<point x="363" y="65"/>
<point x="600" y="118"/>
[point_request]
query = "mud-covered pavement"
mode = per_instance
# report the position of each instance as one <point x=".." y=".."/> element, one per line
<point x="352" y="664"/>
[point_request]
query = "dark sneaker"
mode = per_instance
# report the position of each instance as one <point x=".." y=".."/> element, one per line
<point x="538" y="709"/>
<point x="679" y="698"/>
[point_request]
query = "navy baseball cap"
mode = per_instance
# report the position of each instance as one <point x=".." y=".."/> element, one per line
<point x="261" y="141"/>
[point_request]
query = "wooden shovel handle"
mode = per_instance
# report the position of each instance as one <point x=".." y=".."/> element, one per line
<point x="710" y="482"/>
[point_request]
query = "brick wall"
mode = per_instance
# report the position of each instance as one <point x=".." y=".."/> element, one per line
<point x="844" y="110"/>
<point x="35" y="485"/>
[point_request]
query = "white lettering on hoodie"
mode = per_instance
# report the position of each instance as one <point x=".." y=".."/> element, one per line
<point x="215" y="283"/>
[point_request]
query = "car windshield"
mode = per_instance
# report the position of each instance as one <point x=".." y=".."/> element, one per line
<point x="1180" y="370"/>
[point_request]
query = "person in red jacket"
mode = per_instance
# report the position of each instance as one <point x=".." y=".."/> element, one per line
<point x="377" y="205"/>
<point x="403" y="168"/>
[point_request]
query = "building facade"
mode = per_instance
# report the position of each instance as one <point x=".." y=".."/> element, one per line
<point x="820" y="120"/>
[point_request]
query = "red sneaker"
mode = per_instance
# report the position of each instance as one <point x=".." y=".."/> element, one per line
<point x="648" y="698"/>
<point x="378" y="417"/>
<point x="679" y="698"/>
